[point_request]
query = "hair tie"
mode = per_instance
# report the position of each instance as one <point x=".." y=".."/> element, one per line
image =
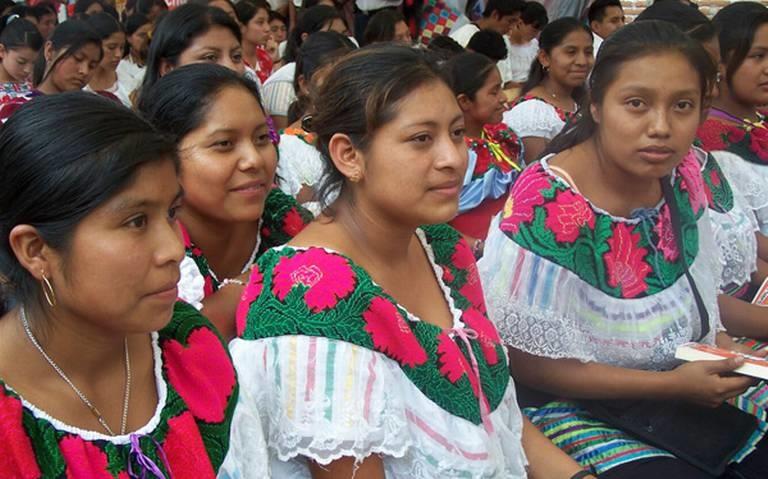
<point x="11" y="18"/>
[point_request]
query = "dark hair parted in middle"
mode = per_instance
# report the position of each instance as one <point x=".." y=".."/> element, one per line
<point x="175" y="33"/>
<point x="737" y="25"/>
<point x="67" y="39"/>
<point x="361" y="94"/>
<point x="636" y="40"/>
<point x="467" y="73"/>
<point x="52" y="180"/>
<point x="178" y="102"/>
<point x="552" y="36"/>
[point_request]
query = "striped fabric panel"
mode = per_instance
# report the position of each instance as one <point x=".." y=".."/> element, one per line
<point x="590" y="442"/>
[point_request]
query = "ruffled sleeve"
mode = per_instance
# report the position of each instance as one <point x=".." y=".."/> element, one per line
<point x="534" y="118"/>
<point x="320" y="399"/>
<point x="747" y="184"/>
<point x="191" y="283"/>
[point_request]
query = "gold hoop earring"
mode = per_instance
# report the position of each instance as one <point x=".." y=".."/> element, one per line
<point x="48" y="292"/>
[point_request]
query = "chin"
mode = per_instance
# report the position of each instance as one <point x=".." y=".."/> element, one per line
<point x="441" y="215"/>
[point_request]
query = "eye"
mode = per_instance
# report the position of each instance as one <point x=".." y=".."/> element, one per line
<point x="421" y="138"/>
<point x="263" y="139"/>
<point x="173" y="212"/>
<point x="137" y="222"/>
<point x="223" y="145"/>
<point x="635" y="103"/>
<point x="459" y="133"/>
<point x="237" y="57"/>
<point x="210" y="58"/>
<point x="685" y="105"/>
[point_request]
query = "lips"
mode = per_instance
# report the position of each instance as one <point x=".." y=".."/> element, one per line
<point x="251" y="186"/>
<point x="656" y="152"/>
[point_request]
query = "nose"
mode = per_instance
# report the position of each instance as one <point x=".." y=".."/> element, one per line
<point x="254" y="158"/>
<point x="452" y="155"/>
<point x="659" y="126"/>
<point x="170" y="246"/>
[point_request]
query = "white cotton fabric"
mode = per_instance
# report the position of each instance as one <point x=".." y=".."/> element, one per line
<point x="464" y="34"/>
<point x="300" y="165"/>
<point x="534" y="118"/>
<point x="191" y="283"/>
<point x="517" y="65"/>
<point x="749" y="181"/>
<point x="555" y="314"/>
<point x="131" y="74"/>
<point x="278" y="92"/>
<point x="323" y="399"/>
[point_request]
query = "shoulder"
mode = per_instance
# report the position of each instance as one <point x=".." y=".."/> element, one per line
<point x="282" y="219"/>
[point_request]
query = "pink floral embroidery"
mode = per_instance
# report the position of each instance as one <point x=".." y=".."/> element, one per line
<point x="251" y="292"/>
<point x="17" y="458"/>
<point x="627" y="269"/>
<point x="525" y="195"/>
<point x="463" y="259"/>
<point x="201" y="373"/>
<point x="567" y="214"/>
<point x="185" y="450"/>
<point x="486" y="334"/>
<point x="689" y="171"/>
<point x="667" y="241"/>
<point x="328" y="277"/>
<point x="391" y="334"/>
<point x="84" y="460"/>
<point x="453" y="364"/>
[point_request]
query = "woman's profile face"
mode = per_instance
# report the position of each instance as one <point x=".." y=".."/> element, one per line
<point x="122" y="265"/>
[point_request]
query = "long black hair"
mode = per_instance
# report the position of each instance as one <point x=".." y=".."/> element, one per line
<point x="67" y="39"/>
<point x="16" y="32"/>
<point x="361" y="94"/>
<point x="53" y="181"/>
<point x="737" y="25"/>
<point x="176" y="32"/>
<point x="552" y="36"/>
<point x="310" y="21"/>
<point x="318" y="50"/>
<point x="179" y="101"/>
<point x="637" y="40"/>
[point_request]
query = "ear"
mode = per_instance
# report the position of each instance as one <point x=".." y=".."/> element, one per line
<point x="48" y="51"/>
<point x="543" y="58"/>
<point x="31" y="251"/>
<point x="303" y="87"/>
<point x="347" y="159"/>
<point x="165" y="67"/>
<point x="594" y="26"/>
<point x="3" y="51"/>
<point x="304" y="37"/>
<point x="595" y="112"/>
<point x="464" y="102"/>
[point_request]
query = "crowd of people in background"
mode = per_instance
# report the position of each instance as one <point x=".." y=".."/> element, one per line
<point x="403" y="239"/>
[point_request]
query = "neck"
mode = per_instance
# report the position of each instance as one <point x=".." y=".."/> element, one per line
<point x="630" y="192"/>
<point x="474" y="128"/>
<point x="5" y="77"/>
<point x="103" y="78"/>
<point x="726" y="102"/>
<point x="136" y="58"/>
<point x="227" y="246"/>
<point x="48" y="87"/>
<point x="515" y="38"/>
<point x="381" y="239"/>
<point x="80" y="347"/>
<point x="560" y="91"/>
<point x="249" y="52"/>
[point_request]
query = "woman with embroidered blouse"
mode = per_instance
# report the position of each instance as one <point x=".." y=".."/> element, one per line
<point x="100" y="374"/>
<point x="300" y="169"/>
<point x="735" y="123"/>
<point x="232" y="211"/>
<point x="363" y="345"/>
<point x="555" y="85"/>
<point x="494" y="150"/>
<point x="603" y="263"/>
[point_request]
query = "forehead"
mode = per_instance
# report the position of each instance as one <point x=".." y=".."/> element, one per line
<point x="432" y="102"/>
<point x="233" y="108"/>
<point x="662" y="74"/>
<point x="613" y="12"/>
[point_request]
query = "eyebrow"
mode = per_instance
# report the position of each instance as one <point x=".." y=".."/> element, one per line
<point x="135" y="204"/>
<point x="432" y="122"/>
<point x="645" y="90"/>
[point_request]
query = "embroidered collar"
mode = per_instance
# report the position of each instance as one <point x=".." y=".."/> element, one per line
<point x="566" y="116"/>
<point x="749" y="140"/>
<point x="317" y="292"/>
<point x="498" y="147"/>
<point x="624" y="258"/>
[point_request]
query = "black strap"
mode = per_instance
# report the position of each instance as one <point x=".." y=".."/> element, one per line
<point x="677" y="230"/>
